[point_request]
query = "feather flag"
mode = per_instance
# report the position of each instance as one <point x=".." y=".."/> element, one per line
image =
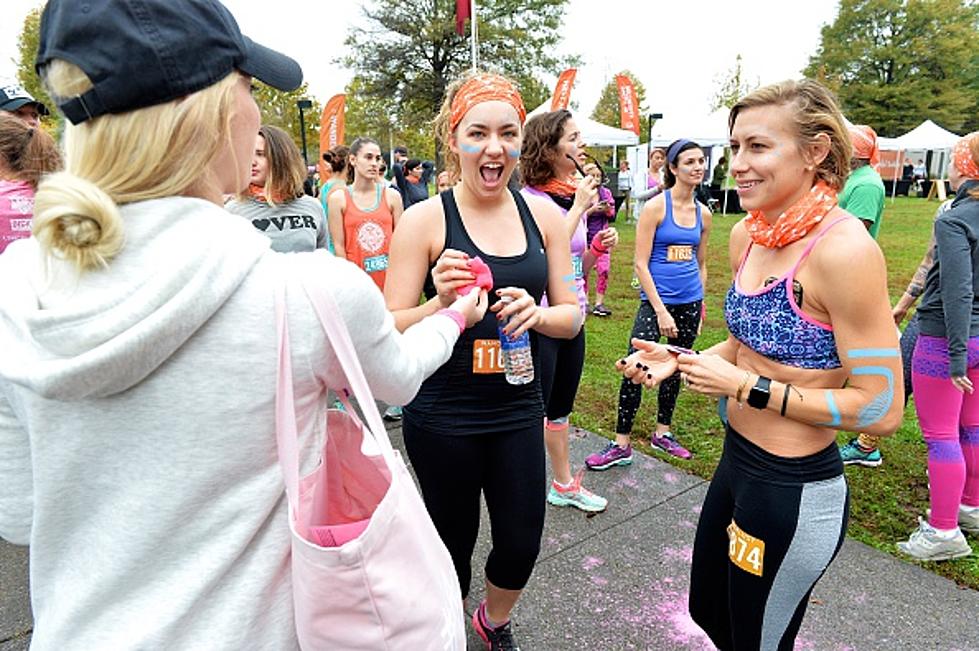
<point x="562" y="89"/>
<point x="628" y="104"/>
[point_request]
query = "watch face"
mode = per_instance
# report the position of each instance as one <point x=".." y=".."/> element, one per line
<point x="759" y="395"/>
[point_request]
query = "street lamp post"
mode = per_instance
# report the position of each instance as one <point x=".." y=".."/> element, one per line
<point x="652" y="120"/>
<point x="301" y="105"/>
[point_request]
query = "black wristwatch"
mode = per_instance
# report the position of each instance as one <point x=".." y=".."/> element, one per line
<point x="760" y="393"/>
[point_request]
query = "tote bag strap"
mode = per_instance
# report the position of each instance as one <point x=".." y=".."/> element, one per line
<point x="339" y="337"/>
<point x="286" y="432"/>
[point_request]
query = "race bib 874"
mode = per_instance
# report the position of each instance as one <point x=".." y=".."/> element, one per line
<point x="745" y="551"/>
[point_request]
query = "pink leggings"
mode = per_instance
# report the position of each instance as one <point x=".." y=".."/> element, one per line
<point x="949" y="420"/>
<point x="601" y="271"/>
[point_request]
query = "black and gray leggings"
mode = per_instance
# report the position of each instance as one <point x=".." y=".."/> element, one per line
<point x="687" y="317"/>
<point x="769" y="528"/>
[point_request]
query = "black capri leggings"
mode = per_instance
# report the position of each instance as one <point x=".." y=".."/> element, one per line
<point x="508" y="468"/>
<point x="769" y="528"/>
<point x="561" y="362"/>
<point x="687" y="317"/>
<point x="908" y="339"/>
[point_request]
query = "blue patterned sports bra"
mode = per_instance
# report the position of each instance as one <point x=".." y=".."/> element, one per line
<point x="771" y="323"/>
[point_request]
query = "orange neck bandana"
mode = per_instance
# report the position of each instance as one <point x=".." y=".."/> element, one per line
<point x="485" y="87"/>
<point x="796" y="222"/>
<point x="257" y="192"/>
<point x="864" y="141"/>
<point x="559" y="187"/>
<point x="962" y="157"/>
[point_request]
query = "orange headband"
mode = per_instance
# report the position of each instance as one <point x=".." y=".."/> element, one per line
<point x="962" y="157"/>
<point x="485" y="87"/>
<point x="864" y="141"/>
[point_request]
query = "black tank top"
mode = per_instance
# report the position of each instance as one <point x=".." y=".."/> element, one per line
<point x="469" y="393"/>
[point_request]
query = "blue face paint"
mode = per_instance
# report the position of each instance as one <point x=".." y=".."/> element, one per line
<point x="881" y="404"/>
<point x="470" y="149"/>
<point x="834" y="411"/>
<point x="872" y="352"/>
<point x="878" y="407"/>
<point x="513" y="153"/>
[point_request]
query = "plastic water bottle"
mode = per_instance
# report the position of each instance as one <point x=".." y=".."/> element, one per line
<point x="518" y="361"/>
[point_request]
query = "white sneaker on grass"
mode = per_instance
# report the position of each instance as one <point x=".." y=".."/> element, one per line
<point x="927" y="544"/>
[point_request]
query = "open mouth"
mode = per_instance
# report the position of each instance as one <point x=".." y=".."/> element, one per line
<point x="744" y="186"/>
<point x="491" y="172"/>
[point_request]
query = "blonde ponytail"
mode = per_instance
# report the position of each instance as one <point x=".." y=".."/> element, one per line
<point x="160" y="151"/>
<point x="77" y="221"/>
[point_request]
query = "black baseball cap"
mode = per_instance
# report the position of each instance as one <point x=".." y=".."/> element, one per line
<point x="14" y="96"/>
<point x="140" y="53"/>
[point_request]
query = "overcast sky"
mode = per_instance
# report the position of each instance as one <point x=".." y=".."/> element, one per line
<point x="680" y="50"/>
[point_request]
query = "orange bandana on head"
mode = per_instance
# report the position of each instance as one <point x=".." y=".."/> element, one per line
<point x="796" y="222"/>
<point x="962" y="157"/>
<point x="485" y="87"/>
<point x="864" y="141"/>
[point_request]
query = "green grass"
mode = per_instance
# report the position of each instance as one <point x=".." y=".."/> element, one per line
<point x="885" y="501"/>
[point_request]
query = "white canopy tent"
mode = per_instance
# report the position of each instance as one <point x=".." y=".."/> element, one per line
<point x="927" y="136"/>
<point x="595" y="134"/>
<point x="705" y="130"/>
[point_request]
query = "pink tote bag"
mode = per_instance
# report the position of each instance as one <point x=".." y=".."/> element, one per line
<point x="369" y="570"/>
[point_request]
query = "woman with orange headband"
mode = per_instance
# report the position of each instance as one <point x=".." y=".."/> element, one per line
<point x="812" y="349"/>
<point x="469" y="431"/>
<point x="945" y="369"/>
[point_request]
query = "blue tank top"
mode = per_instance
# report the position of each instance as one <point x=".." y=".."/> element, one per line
<point x="469" y="393"/>
<point x="770" y="322"/>
<point x="673" y="259"/>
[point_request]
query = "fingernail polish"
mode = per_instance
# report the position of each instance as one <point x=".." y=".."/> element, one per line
<point x="638" y="365"/>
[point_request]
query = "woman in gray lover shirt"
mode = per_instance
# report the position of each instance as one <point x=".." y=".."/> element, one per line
<point x="274" y="202"/>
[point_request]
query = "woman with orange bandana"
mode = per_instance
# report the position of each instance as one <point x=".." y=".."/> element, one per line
<point x="552" y="151"/>
<point x="274" y="201"/>
<point x="812" y="349"/>
<point x="469" y="431"/>
<point x="945" y="369"/>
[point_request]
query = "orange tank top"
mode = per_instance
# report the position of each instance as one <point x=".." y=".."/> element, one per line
<point x="367" y="235"/>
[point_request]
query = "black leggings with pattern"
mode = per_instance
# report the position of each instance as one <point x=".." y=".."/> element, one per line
<point x="687" y="318"/>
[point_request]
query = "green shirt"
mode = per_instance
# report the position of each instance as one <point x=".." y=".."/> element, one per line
<point x="863" y="197"/>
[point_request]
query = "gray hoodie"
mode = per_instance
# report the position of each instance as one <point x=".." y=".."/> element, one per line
<point x="137" y="442"/>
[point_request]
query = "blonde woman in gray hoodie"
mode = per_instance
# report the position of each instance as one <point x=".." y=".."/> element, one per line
<point x="137" y="384"/>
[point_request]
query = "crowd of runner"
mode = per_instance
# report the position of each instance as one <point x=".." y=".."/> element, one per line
<point x="142" y="294"/>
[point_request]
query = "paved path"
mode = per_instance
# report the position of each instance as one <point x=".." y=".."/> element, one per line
<point x="618" y="580"/>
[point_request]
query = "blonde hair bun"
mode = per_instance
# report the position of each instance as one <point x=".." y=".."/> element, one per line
<point x="77" y="220"/>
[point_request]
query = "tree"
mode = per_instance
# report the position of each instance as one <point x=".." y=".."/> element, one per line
<point x="27" y="44"/>
<point x="409" y="52"/>
<point x="376" y="117"/>
<point x="279" y="109"/>
<point x="607" y="112"/>
<point x="894" y="63"/>
<point x="732" y="88"/>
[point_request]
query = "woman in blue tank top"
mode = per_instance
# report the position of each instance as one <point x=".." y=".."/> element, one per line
<point x="469" y="432"/>
<point x="812" y="349"/>
<point x="671" y="265"/>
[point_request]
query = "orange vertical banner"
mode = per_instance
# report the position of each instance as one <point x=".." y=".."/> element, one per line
<point x="628" y="103"/>
<point x="562" y="89"/>
<point x="331" y="128"/>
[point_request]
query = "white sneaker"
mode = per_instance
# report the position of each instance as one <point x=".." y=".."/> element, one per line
<point x="968" y="519"/>
<point x="925" y="544"/>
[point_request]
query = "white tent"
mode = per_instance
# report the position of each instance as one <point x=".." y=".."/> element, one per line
<point x="926" y="135"/>
<point x="595" y="134"/>
<point x="705" y="130"/>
